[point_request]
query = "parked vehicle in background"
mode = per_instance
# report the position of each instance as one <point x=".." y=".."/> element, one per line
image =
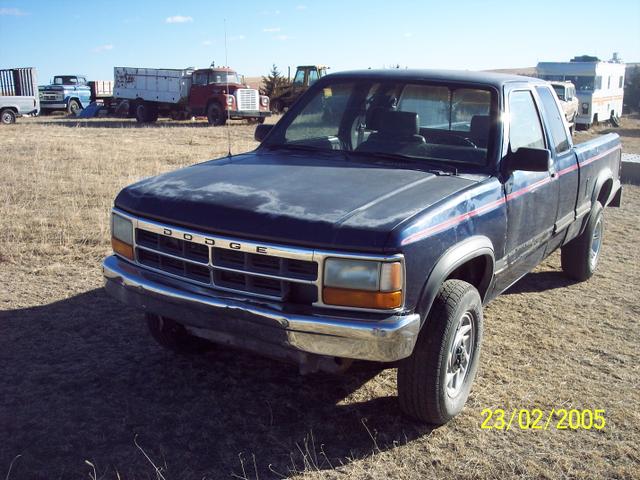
<point x="102" y="92"/>
<point x="374" y="222"/>
<point x="306" y="75"/>
<point x="18" y="94"/>
<point x="70" y="93"/>
<point x="566" y="92"/>
<point x="599" y="86"/>
<point x="216" y="93"/>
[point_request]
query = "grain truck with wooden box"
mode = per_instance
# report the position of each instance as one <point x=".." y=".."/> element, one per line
<point x="216" y="93"/>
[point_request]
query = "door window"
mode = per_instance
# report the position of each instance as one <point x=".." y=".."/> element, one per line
<point x="200" y="78"/>
<point x="298" y="80"/>
<point x="554" y="120"/>
<point x="313" y="76"/>
<point x="525" y="129"/>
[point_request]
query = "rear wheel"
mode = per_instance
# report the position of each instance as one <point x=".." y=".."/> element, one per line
<point x="73" y="107"/>
<point x="435" y="381"/>
<point x="146" y="113"/>
<point x="215" y="115"/>
<point x="173" y="336"/>
<point x="579" y="257"/>
<point x="7" y="116"/>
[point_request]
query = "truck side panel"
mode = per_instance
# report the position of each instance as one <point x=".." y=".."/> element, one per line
<point x="152" y="84"/>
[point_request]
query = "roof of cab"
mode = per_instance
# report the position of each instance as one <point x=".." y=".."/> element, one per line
<point x="458" y="76"/>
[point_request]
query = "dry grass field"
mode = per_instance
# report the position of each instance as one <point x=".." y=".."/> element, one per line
<point x="86" y="393"/>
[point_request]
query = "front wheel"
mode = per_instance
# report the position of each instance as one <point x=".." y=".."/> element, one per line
<point x="215" y="115"/>
<point x="579" y="257"/>
<point x="74" y="107"/>
<point x="173" y="336"/>
<point x="435" y="381"/>
<point x="7" y="117"/>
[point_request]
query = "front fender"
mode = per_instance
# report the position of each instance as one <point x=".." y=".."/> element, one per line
<point x="456" y="256"/>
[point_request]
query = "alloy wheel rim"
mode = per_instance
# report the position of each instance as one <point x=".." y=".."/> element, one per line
<point x="460" y="354"/>
<point x="596" y="244"/>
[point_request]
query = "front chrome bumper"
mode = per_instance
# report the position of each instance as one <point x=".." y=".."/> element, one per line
<point x="261" y="326"/>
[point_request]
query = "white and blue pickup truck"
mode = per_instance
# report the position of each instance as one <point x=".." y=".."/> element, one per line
<point x="374" y="221"/>
<point x="18" y="94"/>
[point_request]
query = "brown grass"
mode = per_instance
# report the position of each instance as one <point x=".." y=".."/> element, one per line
<point x="81" y="379"/>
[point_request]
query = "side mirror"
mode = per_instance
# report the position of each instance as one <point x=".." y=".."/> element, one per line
<point x="262" y="131"/>
<point x="529" y="160"/>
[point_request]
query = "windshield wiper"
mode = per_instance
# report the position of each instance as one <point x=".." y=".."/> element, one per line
<point x="293" y="146"/>
<point x="433" y="166"/>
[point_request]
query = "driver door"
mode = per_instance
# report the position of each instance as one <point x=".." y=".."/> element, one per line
<point x="531" y="197"/>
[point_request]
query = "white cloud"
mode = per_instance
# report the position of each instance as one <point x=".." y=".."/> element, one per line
<point x="271" y="30"/>
<point x="236" y="37"/>
<point x="283" y="38"/>
<point x="206" y="43"/>
<point x="178" y="19"/>
<point x="12" y="12"/>
<point x="301" y="7"/>
<point x="103" y="48"/>
<point x="408" y="35"/>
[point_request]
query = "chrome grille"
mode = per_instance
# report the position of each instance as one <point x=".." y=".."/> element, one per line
<point x="51" y="96"/>
<point x="247" y="99"/>
<point x="228" y="268"/>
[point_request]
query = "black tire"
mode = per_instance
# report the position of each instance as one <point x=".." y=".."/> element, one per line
<point x="173" y="336"/>
<point x="579" y="257"/>
<point x="73" y="107"/>
<point x="277" y="106"/>
<point x="216" y="115"/>
<point x="146" y="113"/>
<point x="7" y="116"/>
<point x="424" y="390"/>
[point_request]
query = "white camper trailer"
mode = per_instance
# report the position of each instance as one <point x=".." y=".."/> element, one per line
<point x="599" y="86"/>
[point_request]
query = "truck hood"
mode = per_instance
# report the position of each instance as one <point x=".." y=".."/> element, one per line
<point x="311" y="199"/>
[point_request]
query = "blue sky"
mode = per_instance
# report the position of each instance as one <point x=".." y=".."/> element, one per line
<point x="91" y="37"/>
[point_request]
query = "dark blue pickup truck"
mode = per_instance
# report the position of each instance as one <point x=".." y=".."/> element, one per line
<point x="374" y="221"/>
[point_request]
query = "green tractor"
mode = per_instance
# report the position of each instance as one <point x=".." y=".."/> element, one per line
<point x="306" y="75"/>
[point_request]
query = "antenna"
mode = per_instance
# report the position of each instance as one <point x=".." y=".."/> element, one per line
<point x="226" y="62"/>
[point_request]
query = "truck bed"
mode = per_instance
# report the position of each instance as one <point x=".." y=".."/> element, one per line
<point x="152" y="84"/>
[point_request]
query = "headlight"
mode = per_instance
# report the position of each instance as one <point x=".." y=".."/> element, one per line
<point x="229" y="100"/>
<point x="362" y="283"/>
<point x="264" y="101"/>
<point x="585" y="108"/>
<point x="122" y="236"/>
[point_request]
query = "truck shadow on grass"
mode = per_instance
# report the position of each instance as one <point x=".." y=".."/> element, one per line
<point x="540" y="282"/>
<point x="82" y="379"/>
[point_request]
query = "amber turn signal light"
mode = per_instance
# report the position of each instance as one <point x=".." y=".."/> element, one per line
<point x="362" y="298"/>
<point x="122" y="248"/>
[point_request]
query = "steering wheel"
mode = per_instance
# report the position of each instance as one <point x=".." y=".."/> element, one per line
<point x="464" y="141"/>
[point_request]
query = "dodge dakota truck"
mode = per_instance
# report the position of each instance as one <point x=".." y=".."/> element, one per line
<point x="374" y="221"/>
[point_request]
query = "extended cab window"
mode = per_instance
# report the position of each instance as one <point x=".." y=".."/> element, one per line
<point x="525" y="129"/>
<point x="554" y="119"/>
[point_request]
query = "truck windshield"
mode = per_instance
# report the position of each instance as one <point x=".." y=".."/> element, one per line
<point x="433" y="122"/>
<point x="223" y="77"/>
<point x="65" y="80"/>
